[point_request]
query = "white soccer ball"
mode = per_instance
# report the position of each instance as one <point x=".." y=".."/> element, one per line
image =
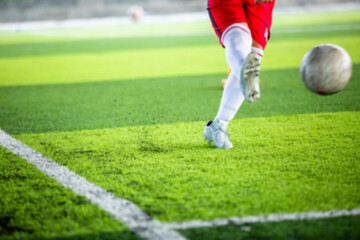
<point x="136" y="13"/>
<point x="326" y="69"/>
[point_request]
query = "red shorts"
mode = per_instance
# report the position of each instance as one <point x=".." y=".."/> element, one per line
<point x="224" y="13"/>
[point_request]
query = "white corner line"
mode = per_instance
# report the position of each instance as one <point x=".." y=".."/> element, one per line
<point x="264" y="219"/>
<point x="123" y="210"/>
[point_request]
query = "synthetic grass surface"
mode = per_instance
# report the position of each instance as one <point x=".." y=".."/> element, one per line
<point x="48" y="58"/>
<point x="311" y="19"/>
<point x="99" y="45"/>
<point x="66" y="107"/>
<point x="278" y="165"/>
<point x="151" y="99"/>
<point x="36" y="207"/>
<point x="322" y="229"/>
<point x="294" y="22"/>
<point x="152" y="77"/>
<point x="152" y="63"/>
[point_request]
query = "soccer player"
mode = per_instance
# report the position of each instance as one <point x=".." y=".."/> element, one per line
<point x="243" y="28"/>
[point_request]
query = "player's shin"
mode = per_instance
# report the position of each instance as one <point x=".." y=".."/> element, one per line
<point x="237" y="43"/>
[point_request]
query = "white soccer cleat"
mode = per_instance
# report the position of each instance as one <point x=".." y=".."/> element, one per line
<point x="215" y="131"/>
<point x="249" y="79"/>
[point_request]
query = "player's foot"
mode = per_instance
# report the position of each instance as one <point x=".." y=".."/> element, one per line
<point x="249" y="79"/>
<point x="215" y="131"/>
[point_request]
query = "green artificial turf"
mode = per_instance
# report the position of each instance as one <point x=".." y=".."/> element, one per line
<point x="121" y="65"/>
<point x="293" y="23"/>
<point x="32" y="206"/>
<point x="125" y="107"/>
<point x="322" y="229"/>
<point x="133" y="92"/>
<point x="94" y="60"/>
<point x="99" y="45"/>
<point x="67" y="107"/>
<point x="316" y="18"/>
<point x="280" y="164"/>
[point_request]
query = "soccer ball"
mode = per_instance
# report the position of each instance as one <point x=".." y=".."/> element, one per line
<point x="136" y="13"/>
<point x="326" y="69"/>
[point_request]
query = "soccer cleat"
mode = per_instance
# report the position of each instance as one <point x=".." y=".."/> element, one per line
<point x="215" y="131"/>
<point x="249" y="79"/>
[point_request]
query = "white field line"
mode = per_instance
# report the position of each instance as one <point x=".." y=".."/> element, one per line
<point x="79" y="34"/>
<point x="192" y="33"/>
<point x="263" y="219"/>
<point x="125" y="211"/>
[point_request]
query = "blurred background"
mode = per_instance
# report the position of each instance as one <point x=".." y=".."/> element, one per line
<point x="36" y="10"/>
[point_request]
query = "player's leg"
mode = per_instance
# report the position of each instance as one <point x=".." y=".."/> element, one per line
<point x="259" y="18"/>
<point x="237" y="43"/>
<point x="229" y="23"/>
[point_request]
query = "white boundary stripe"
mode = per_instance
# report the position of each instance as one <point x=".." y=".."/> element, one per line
<point x="263" y="219"/>
<point x="125" y="211"/>
<point x="275" y="30"/>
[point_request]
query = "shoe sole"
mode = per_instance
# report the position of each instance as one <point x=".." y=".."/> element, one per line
<point x="250" y="78"/>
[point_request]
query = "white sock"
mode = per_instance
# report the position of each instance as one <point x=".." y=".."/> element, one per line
<point x="258" y="51"/>
<point x="237" y="45"/>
